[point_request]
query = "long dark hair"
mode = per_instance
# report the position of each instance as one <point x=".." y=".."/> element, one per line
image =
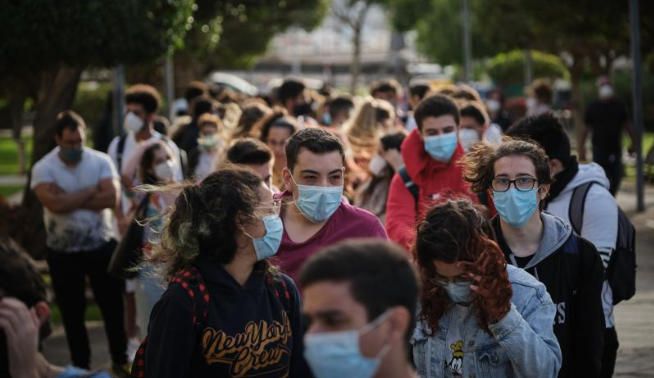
<point x="204" y="219"/>
<point x="456" y="231"/>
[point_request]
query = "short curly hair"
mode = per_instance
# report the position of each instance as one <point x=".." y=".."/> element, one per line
<point x="145" y="95"/>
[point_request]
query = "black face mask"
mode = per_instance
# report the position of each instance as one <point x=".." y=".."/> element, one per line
<point x="302" y="109"/>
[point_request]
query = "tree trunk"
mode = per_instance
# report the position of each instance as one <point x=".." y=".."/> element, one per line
<point x="355" y="68"/>
<point x="16" y="106"/>
<point x="56" y="93"/>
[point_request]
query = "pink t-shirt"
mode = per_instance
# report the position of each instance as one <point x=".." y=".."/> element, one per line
<point x="348" y="222"/>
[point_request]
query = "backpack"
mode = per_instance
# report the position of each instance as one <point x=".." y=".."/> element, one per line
<point x="191" y="280"/>
<point x="621" y="270"/>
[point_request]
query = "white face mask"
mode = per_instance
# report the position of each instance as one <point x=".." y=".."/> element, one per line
<point x="493" y="105"/>
<point x="164" y="171"/>
<point x="133" y="123"/>
<point x="377" y="165"/>
<point x="468" y="137"/>
<point x="605" y="91"/>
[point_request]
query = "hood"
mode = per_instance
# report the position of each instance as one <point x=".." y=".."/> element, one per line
<point x="555" y="233"/>
<point x="587" y="173"/>
<point x="419" y="164"/>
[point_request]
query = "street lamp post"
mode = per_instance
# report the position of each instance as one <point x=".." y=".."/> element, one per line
<point x="636" y="77"/>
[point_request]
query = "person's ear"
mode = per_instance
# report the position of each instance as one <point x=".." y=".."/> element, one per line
<point x="288" y="180"/>
<point x="543" y="191"/>
<point x="399" y="320"/>
<point x="42" y="310"/>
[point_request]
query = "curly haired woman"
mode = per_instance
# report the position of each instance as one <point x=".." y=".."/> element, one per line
<point x="227" y="311"/>
<point x="478" y="316"/>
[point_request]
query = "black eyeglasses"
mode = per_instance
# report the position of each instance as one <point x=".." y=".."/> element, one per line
<point x="523" y="184"/>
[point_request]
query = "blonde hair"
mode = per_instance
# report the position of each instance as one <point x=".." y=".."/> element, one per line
<point x="365" y="128"/>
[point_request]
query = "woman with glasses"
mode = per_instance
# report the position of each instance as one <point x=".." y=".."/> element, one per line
<point x="478" y="317"/>
<point x="227" y="311"/>
<point x="516" y="174"/>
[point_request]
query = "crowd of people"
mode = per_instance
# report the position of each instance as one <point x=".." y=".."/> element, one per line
<point x="308" y="234"/>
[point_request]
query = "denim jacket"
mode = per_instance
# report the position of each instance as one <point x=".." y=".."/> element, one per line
<point x="522" y="344"/>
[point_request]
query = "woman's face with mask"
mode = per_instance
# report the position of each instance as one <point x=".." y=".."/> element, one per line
<point x="162" y="166"/>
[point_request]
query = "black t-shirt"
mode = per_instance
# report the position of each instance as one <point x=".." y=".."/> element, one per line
<point x="606" y="118"/>
<point x="522" y="261"/>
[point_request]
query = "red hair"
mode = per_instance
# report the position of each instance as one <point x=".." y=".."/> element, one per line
<point x="455" y="231"/>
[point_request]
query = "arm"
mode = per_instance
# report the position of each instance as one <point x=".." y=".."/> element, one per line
<point x="53" y="198"/>
<point x="400" y="214"/>
<point x="106" y="197"/>
<point x="589" y="334"/>
<point x="171" y="336"/>
<point x="529" y="339"/>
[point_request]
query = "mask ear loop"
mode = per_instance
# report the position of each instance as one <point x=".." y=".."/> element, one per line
<point x="374" y="324"/>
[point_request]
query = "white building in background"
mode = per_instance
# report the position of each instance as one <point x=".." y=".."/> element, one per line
<point x="325" y="53"/>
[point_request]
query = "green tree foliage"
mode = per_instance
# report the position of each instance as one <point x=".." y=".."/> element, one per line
<point x="507" y="68"/>
<point x="45" y="46"/>
<point x="39" y="35"/>
<point x="231" y="34"/>
<point x="439" y="27"/>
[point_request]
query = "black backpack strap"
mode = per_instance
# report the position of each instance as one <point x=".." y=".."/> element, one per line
<point x="119" y="151"/>
<point x="577" y="205"/>
<point x="409" y="184"/>
<point x="190" y="279"/>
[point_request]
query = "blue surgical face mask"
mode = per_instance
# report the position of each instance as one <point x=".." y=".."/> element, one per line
<point x="318" y="203"/>
<point x="516" y="207"/>
<point x="459" y="292"/>
<point x="71" y="154"/>
<point x="337" y="354"/>
<point x="441" y="147"/>
<point x="268" y="245"/>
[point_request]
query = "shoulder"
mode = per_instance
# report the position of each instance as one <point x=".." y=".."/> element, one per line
<point x="359" y="216"/>
<point x="98" y="158"/>
<point x="45" y="161"/>
<point x="525" y="286"/>
<point x="176" y="299"/>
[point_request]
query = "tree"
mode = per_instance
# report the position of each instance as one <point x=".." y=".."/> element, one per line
<point x="588" y="34"/>
<point x="505" y="68"/>
<point x="46" y="45"/>
<point x="231" y="34"/>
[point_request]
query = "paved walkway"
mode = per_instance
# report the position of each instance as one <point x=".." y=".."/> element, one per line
<point x="635" y="318"/>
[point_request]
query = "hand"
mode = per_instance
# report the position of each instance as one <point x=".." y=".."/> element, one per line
<point x="21" y="327"/>
<point x="493" y="288"/>
<point x="394" y="158"/>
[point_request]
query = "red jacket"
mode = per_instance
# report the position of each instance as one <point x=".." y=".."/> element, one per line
<point x="436" y="181"/>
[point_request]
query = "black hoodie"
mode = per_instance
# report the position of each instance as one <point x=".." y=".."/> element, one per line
<point x="248" y="331"/>
<point x="572" y="271"/>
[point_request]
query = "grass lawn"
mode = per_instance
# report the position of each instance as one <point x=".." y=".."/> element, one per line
<point x="8" y="191"/>
<point x="9" y="155"/>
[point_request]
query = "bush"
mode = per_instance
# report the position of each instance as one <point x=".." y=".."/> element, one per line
<point x="508" y="68"/>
